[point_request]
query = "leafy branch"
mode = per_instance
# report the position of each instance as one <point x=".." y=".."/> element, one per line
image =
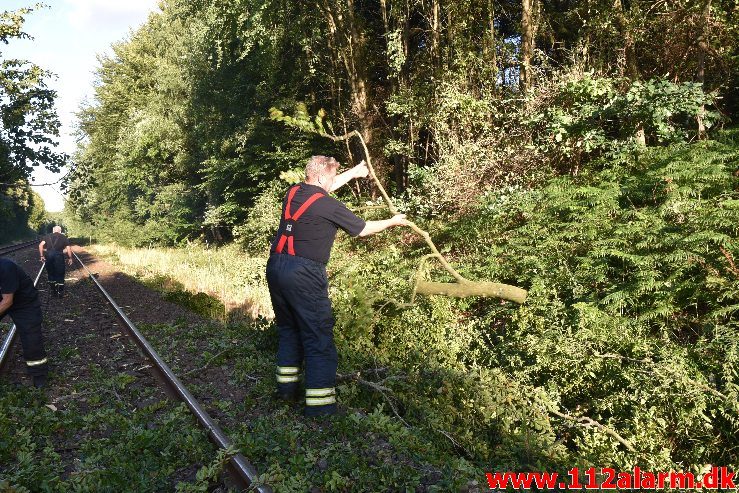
<point x="462" y="287"/>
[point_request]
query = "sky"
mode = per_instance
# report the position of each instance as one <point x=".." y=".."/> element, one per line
<point x="68" y="37"/>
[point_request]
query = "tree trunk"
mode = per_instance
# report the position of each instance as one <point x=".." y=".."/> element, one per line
<point x="349" y="51"/>
<point x="491" y="47"/>
<point x="435" y="33"/>
<point x="701" y="75"/>
<point x="527" y="42"/>
<point x="631" y="68"/>
<point x="335" y="87"/>
<point x="398" y="163"/>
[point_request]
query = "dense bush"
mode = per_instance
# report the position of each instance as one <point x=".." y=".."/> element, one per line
<point x="21" y="212"/>
<point x="263" y="219"/>
<point x="482" y="144"/>
<point x="631" y="317"/>
<point x="584" y="117"/>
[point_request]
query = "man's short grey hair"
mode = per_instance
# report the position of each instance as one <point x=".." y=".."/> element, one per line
<point x="320" y="165"/>
<point x="56" y="229"/>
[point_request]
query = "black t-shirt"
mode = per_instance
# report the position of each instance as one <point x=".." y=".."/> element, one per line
<point x="13" y="280"/>
<point x="315" y="231"/>
<point x="56" y="242"/>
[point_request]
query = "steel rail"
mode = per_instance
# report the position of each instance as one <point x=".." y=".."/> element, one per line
<point x="18" y="246"/>
<point x="13" y="333"/>
<point x="242" y="471"/>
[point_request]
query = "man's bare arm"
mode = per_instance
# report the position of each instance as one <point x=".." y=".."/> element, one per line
<point x="41" y="250"/>
<point x="6" y="303"/>
<point x="358" y="171"/>
<point x="373" y="227"/>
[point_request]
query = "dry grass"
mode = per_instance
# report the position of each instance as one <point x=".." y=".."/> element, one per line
<point x="227" y="273"/>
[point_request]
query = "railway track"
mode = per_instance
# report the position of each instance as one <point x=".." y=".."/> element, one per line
<point x="4" y="250"/>
<point x="241" y="471"/>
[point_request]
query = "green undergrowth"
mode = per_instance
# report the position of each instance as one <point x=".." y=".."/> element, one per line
<point x="174" y="291"/>
<point x="632" y="269"/>
<point x="108" y="435"/>
<point x="365" y="448"/>
<point x="219" y="283"/>
<point x="12" y="236"/>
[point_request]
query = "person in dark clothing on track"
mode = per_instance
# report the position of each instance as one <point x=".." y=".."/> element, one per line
<point x="56" y="245"/>
<point x="21" y="302"/>
<point x="298" y="286"/>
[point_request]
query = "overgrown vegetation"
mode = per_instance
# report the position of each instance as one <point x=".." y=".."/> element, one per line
<point x="218" y="283"/>
<point x="454" y="98"/>
<point x="123" y="439"/>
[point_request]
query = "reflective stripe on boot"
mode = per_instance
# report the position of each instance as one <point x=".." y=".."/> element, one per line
<point x="320" y="397"/>
<point x="287" y="374"/>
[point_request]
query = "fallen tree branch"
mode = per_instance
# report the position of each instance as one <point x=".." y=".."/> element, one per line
<point x="589" y="423"/>
<point x="463" y="287"/>
<point x="466" y="287"/>
<point x="374" y="386"/>
<point x="207" y="363"/>
<point x="456" y="443"/>
<point x="648" y="361"/>
<point x="470" y="288"/>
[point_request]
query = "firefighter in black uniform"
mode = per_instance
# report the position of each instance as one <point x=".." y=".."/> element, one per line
<point x="56" y="245"/>
<point x="298" y="286"/>
<point x="21" y="302"/>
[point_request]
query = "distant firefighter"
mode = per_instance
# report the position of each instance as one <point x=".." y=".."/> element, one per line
<point x="56" y="245"/>
<point x="20" y="301"/>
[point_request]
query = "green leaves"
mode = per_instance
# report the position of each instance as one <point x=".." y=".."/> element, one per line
<point x="301" y="119"/>
<point x="29" y="128"/>
<point x="632" y="305"/>
<point x="589" y="116"/>
<point x="30" y="125"/>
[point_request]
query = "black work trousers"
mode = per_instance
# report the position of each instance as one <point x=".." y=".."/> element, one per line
<point x="28" y="322"/>
<point x="305" y="324"/>
<point x="55" y="267"/>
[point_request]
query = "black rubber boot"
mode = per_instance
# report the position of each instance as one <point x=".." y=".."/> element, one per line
<point x="39" y="381"/>
<point x="320" y="411"/>
<point x="288" y="397"/>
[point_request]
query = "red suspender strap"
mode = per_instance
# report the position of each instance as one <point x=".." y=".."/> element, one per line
<point x="290" y="197"/>
<point x="294" y="218"/>
<point x="307" y="204"/>
<point x="281" y="244"/>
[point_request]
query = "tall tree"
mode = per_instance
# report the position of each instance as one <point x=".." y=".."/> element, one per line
<point x="29" y="127"/>
<point x="703" y="53"/>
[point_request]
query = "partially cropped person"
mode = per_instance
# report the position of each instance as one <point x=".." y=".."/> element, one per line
<point x="20" y="302"/>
